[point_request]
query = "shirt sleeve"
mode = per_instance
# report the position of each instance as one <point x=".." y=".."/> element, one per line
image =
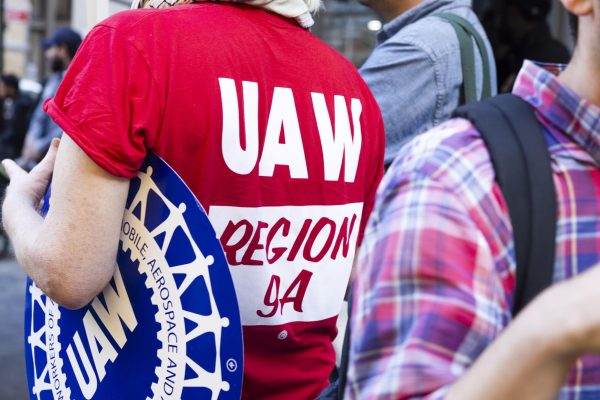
<point x="403" y="79"/>
<point x="428" y="296"/>
<point x="108" y="102"/>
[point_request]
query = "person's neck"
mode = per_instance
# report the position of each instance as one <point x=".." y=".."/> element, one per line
<point x="582" y="75"/>
<point x="395" y="9"/>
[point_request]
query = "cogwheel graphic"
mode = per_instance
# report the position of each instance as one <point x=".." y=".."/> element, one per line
<point x="50" y="376"/>
<point x="160" y="278"/>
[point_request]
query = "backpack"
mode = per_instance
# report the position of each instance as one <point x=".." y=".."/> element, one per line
<point x="519" y="154"/>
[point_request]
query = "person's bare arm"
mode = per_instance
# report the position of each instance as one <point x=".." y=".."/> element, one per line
<point x="71" y="254"/>
<point x="532" y="358"/>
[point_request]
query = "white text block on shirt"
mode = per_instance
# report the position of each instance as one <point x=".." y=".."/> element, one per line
<point x="289" y="263"/>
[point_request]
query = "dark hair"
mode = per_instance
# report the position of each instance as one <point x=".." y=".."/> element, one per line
<point x="71" y="49"/>
<point x="10" y="81"/>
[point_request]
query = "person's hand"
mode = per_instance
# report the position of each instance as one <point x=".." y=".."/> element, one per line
<point x="546" y="339"/>
<point x="570" y="314"/>
<point x="31" y="187"/>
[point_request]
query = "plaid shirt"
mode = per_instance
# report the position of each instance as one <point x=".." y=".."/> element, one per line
<point x="436" y="274"/>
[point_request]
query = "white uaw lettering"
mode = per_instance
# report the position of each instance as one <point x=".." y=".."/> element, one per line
<point x="101" y="348"/>
<point x="344" y="145"/>
<point x="283" y="117"/>
<point x="118" y="310"/>
<point x="239" y="159"/>
<point x="241" y="150"/>
<point x="242" y="158"/>
<point x="87" y="386"/>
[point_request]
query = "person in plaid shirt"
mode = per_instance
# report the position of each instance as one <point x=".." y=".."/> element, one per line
<point x="436" y="275"/>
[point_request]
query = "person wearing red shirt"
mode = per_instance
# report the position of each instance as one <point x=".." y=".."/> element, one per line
<point x="274" y="132"/>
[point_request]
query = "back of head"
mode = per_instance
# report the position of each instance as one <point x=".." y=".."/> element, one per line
<point x="10" y="81"/>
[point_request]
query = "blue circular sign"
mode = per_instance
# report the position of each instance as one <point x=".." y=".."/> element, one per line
<point x="166" y="327"/>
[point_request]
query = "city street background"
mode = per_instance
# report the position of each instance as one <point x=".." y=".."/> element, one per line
<point x="13" y="381"/>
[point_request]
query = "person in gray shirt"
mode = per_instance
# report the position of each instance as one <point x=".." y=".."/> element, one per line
<point x="415" y="70"/>
<point x="60" y="48"/>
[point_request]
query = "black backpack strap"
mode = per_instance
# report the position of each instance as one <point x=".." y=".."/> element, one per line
<point x="465" y="32"/>
<point x="519" y="154"/>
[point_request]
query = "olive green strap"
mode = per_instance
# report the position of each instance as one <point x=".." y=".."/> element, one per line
<point x="464" y="32"/>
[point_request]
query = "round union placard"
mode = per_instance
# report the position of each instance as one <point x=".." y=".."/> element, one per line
<point x="166" y="327"/>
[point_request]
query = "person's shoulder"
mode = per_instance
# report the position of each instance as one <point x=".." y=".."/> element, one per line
<point x="125" y="19"/>
<point x="433" y="34"/>
<point x="133" y="20"/>
<point x="450" y="153"/>
<point x="430" y="34"/>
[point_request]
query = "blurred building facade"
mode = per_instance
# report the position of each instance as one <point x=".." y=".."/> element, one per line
<point x="17" y="15"/>
<point x="27" y="22"/>
<point x="346" y="25"/>
<point x="343" y="24"/>
<point x="349" y="27"/>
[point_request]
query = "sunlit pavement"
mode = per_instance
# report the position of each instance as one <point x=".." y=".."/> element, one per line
<point x="13" y="384"/>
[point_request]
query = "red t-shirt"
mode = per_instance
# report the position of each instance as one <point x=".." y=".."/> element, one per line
<point x="277" y="136"/>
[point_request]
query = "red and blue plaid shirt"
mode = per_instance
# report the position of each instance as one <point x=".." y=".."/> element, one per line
<point x="436" y="274"/>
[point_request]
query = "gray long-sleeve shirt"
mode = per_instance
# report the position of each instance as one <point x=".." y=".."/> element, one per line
<point x="42" y="129"/>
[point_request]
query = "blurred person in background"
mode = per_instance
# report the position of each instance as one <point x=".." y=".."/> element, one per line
<point x="415" y="72"/>
<point x="60" y="48"/>
<point x="16" y="111"/>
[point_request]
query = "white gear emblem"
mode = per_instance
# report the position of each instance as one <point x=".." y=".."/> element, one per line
<point x="198" y="268"/>
<point x="45" y="339"/>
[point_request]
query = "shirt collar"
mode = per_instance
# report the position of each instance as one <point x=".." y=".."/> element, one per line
<point x="571" y="114"/>
<point x="419" y="11"/>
